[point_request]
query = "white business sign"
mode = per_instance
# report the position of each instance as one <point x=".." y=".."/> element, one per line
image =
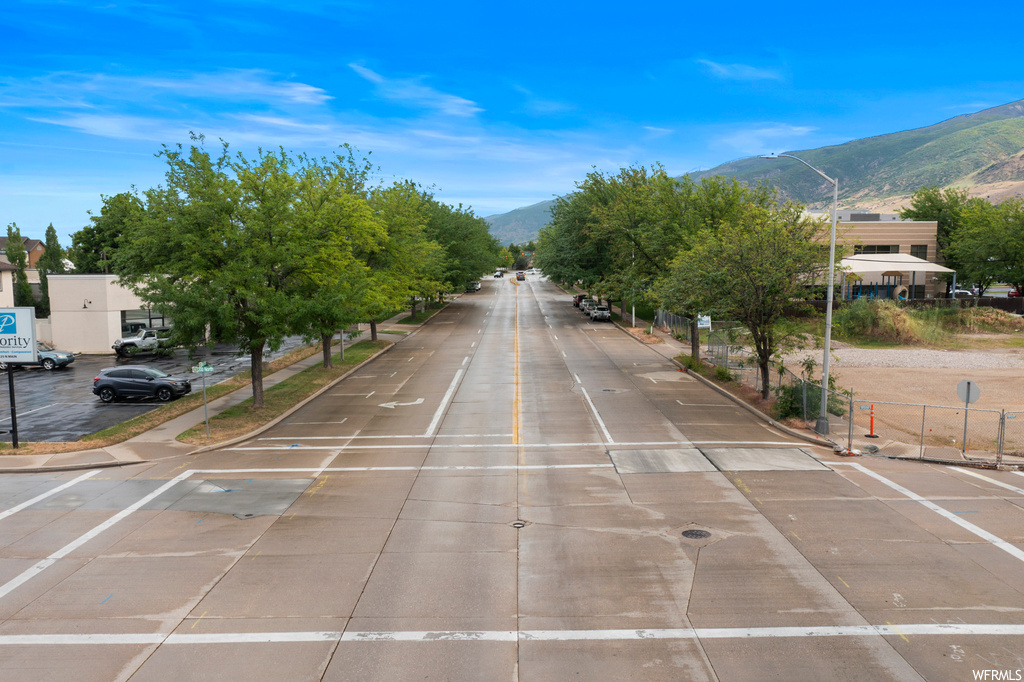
<point x="703" y="322"/>
<point x="18" y="335"/>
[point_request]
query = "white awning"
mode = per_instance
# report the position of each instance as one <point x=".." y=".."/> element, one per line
<point x="878" y="263"/>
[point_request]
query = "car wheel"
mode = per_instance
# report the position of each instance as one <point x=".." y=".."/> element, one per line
<point x="107" y="394"/>
<point x="163" y="394"/>
<point x="48" y="364"/>
<point x="3" y="365"/>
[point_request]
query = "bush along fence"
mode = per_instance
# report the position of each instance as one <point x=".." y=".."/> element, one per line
<point x="934" y="432"/>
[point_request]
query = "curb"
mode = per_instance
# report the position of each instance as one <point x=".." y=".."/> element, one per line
<point x="69" y="467"/>
<point x="753" y="410"/>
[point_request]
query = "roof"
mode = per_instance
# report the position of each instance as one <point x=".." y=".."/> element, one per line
<point x="876" y="263"/>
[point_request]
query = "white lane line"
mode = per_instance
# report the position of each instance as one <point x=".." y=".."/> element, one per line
<point x="704" y="404"/>
<point x="370" y="393"/>
<point x="479" y="331"/>
<point x="652" y="380"/>
<point x="22" y="414"/>
<point x="556" y="337"/>
<point x="473" y="345"/>
<point x="427" y="636"/>
<point x="49" y="493"/>
<point x="966" y="525"/>
<point x="440" y="435"/>
<point x="600" y="422"/>
<point x="444" y="404"/>
<point x="993" y="481"/>
<point x="41" y="566"/>
<point x="564" y="355"/>
<point x="464" y="361"/>
<point x="311" y="423"/>
<point x="443" y="446"/>
<point x="577" y="377"/>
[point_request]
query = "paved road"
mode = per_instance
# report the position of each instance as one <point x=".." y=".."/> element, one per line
<point x="514" y="494"/>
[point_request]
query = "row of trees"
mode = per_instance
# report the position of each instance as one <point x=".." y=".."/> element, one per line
<point x="716" y="247"/>
<point x="249" y="251"/>
<point x="983" y="242"/>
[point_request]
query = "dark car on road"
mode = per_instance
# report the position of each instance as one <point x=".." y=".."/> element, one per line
<point x="138" y="382"/>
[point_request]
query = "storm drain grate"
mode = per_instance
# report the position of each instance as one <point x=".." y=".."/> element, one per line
<point x="696" y="534"/>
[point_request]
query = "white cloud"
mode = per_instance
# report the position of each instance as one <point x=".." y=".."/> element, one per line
<point x="412" y="92"/>
<point x="759" y="140"/>
<point x="538" y="106"/>
<point x="739" y="72"/>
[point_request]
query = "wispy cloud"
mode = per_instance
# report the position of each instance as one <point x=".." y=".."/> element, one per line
<point x="762" y="139"/>
<point x="539" y="106"/>
<point x="739" y="72"/>
<point x="70" y="90"/>
<point x="654" y="131"/>
<point x="412" y="92"/>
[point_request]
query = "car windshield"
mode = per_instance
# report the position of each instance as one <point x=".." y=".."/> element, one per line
<point x="156" y="374"/>
<point x="43" y="346"/>
<point x="602" y="308"/>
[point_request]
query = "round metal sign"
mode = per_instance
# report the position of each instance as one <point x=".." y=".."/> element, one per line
<point x="968" y="390"/>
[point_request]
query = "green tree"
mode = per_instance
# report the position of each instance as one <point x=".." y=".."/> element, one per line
<point x="946" y="207"/>
<point x="752" y="268"/>
<point x="93" y="247"/>
<point x="407" y="261"/>
<point x="988" y="245"/>
<point x="469" y="249"/>
<point x="17" y="257"/>
<point x="215" y="249"/>
<point x="335" y="223"/>
<point x="51" y="262"/>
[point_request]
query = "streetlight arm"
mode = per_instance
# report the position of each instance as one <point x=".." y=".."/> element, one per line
<point x="832" y="181"/>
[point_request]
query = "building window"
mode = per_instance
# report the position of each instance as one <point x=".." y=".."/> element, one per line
<point x="876" y="248"/>
<point x="919" y="251"/>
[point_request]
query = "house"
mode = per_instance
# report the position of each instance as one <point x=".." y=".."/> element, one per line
<point x="34" y="249"/>
<point x="7" y="285"/>
<point x="875" y="233"/>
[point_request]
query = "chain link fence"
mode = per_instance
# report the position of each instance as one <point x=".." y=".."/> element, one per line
<point x="933" y="432"/>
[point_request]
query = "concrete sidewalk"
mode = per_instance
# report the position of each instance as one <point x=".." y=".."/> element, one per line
<point x="160" y="442"/>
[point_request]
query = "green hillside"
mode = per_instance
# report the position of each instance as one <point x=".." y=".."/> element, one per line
<point x="522" y="224"/>
<point x="974" y="150"/>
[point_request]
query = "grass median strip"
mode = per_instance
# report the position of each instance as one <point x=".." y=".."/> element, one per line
<point x="242" y="418"/>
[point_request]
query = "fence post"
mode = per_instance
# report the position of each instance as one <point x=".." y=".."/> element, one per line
<point x="1002" y="438"/>
<point x="803" y="385"/>
<point x="920" y="454"/>
<point x="849" y="438"/>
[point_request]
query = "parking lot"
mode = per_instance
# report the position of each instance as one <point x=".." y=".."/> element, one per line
<point x="60" y="406"/>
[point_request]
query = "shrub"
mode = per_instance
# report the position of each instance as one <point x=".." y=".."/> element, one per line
<point x="723" y="374"/>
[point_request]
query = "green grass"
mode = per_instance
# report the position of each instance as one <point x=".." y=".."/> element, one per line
<point x="421" y="316"/>
<point x="242" y="418"/>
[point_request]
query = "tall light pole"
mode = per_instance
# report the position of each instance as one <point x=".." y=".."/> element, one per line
<point x="822" y="425"/>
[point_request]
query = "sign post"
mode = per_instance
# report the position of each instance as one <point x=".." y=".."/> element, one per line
<point x="202" y="369"/>
<point x="969" y="392"/>
<point x="17" y="345"/>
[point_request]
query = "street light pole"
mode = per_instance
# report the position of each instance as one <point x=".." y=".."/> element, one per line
<point x="822" y="426"/>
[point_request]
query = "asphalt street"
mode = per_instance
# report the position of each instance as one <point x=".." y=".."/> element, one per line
<point x="59" y="405"/>
<point x="514" y="493"/>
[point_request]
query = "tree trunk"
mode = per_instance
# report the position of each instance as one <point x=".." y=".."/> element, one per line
<point x="413" y="312"/>
<point x="256" y="368"/>
<point x="694" y="339"/>
<point x="766" y="388"/>
<point x="325" y="341"/>
<point x="373" y="330"/>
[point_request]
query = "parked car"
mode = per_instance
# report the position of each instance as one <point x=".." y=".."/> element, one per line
<point x="143" y="340"/>
<point x="601" y="313"/>
<point x="47" y="357"/>
<point x="499" y="275"/>
<point x="1013" y="293"/>
<point x="138" y="382"/>
<point x="585" y="305"/>
<point x="472" y="286"/>
<point x="962" y="293"/>
<point x="577" y="299"/>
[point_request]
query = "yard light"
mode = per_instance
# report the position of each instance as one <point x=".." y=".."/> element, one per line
<point x="822" y="426"/>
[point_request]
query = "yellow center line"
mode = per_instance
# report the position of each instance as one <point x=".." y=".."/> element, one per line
<point x="897" y="631"/>
<point x="515" y="394"/>
<point x="198" y="619"/>
<point x="843" y="581"/>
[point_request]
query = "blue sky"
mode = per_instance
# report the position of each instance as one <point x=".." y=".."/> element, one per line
<point x="496" y="106"/>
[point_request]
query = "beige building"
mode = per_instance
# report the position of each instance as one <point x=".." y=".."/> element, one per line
<point x="7" y="285"/>
<point x="873" y="233"/>
<point x="89" y="312"/>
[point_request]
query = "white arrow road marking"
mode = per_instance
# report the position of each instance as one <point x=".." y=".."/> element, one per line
<point x="394" y="403"/>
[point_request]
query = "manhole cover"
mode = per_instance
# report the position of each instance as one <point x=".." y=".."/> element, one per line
<point x="696" y="534"/>
<point x="519" y="524"/>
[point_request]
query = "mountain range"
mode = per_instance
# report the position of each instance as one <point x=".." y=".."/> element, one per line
<point x="983" y="152"/>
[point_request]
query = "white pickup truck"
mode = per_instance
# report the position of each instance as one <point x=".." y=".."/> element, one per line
<point x="145" y="340"/>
